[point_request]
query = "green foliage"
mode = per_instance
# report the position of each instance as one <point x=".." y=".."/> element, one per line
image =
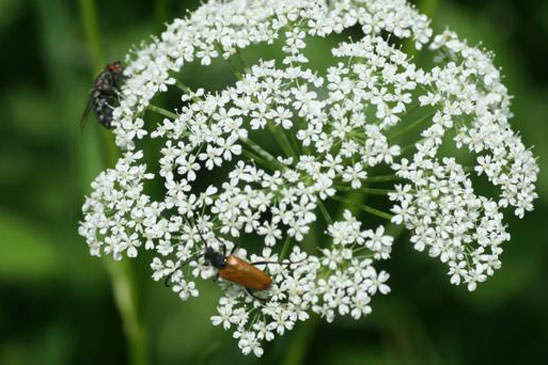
<point x="56" y="302"/>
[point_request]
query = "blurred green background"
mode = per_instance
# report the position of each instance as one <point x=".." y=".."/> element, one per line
<point x="56" y="302"/>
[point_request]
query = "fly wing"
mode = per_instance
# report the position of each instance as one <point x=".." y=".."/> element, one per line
<point x="84" y="118"/>
<point x="96" y="84"/>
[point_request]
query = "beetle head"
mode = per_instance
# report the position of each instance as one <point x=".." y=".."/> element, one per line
<point x="214" y="258"/>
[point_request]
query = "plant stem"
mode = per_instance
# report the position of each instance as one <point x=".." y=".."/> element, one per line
<point x="160" y="13"/>
<point x="186" y="89"/>
<point x="383" y="178"/>
<point x="410" y="146"/>
<point x="231" y="64"/>
<point x="371" y="191"/>
<point x="182" y="86"/>
<point x="324" y="212"/>
<point x="261" y="152"/>
<point x="285" y="247"/>
<point x="410" y="126"/>
<point x="366" y="208"/>
<point x="91" y="29"/>
<point x="242" y="61"/>
<point x="162" y="111"/>
<point x="259" y="160"/>
<point x="282" y="140"/>
<point x="124" y="288"/>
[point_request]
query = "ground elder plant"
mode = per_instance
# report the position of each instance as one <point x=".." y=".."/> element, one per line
<point x="350" y="150"/>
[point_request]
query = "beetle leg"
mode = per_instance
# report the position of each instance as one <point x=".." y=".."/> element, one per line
<point x="234" y="249"/>
<point x="267" y="262"/>
<point x="250" y="292"/>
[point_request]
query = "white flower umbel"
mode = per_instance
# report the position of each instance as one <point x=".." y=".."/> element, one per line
<point x="334" y="129"/>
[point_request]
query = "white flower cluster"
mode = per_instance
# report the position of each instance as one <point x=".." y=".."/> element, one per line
<point x="341" y="281"/>
<point x="119" y="216"/>
<point x="332" y="130"/>
<point x="439" y="204"/>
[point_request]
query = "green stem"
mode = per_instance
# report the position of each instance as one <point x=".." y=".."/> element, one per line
<point x="282" y="140"/>
<point x="242" y="61"/>
<point x="160" y="12"/>
<point x="182" y="86"/>
<point x="124" y="290"/>
<point x="383" y="178"/>
<point x="122" y="277"/>
<point x="261" y="152"/>
<point x="394" y="230"/>
<point x="259" y="160"/>
<point x="294" y="142"/>
<point x="371" y="191"/>
<point x="186" y="89"/>
<point x="410" y="146"/>
<point x="231" y="64"/>
<point x="91" y="30"/>
<point x="324" y="212"/>
<point x="366" y="208"/>
<point x="278" y="134"/>
<point x="410" y="126"/>
<point x="162" y="111"/>
<point x="285" y="247"/>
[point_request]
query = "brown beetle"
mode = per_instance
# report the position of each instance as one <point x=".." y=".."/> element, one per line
<point x="238" y="271"/>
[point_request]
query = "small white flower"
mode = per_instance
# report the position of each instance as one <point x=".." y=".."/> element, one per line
<point x="354" y="174"/>
<point x="224" y="317"/>
<point x="377" y="283"/>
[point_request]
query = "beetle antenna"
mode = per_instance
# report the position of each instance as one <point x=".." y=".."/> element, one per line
<point x="168" y="277"/>
<point x="277" y="262"/>
<point x="203" y="238"/>
<point x="166" y="281"/>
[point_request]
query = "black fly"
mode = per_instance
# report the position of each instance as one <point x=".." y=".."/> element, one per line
<point x="104" y="94"/>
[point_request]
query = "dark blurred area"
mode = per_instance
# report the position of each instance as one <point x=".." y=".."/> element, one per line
<point x="56" y="303"/>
